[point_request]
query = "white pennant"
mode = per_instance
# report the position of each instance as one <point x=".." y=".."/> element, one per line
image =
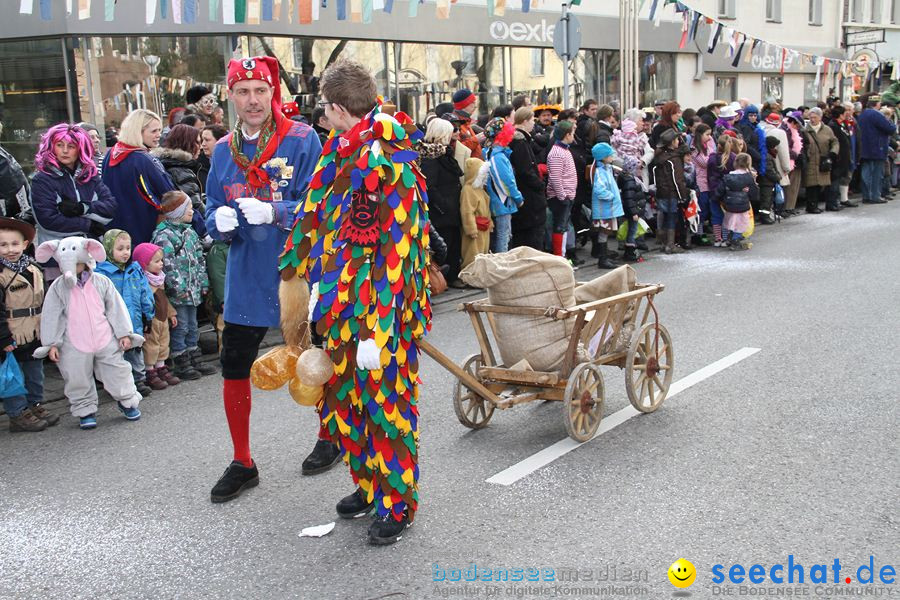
<point x="68" y="7"/>
<point x="228" y="12"/>
<point x="151" y="11"/>
<point x="26" y="7"/>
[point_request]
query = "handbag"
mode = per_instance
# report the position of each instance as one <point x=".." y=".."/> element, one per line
<point x="436" y="280"/>
<point x="12" y="380"/>
<point x="482" y="223"/>
<point x="825" y="164"/>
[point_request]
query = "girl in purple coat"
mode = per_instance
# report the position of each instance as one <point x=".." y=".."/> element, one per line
<point x="721" y="162"/>
<point x="68" y="196"/>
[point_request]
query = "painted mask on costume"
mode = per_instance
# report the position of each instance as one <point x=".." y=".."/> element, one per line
<point x="361" y="228"/>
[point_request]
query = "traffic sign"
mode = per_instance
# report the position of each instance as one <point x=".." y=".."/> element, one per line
<point x="574" y="29"/>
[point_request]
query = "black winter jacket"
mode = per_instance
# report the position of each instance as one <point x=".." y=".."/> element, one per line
<point x="183" y="169"/>
<point x="634" y="199"/>
<point x="736" y="200"/>
<point x="533" y="211"/>
<point x="841" y="166"/>
<point x="751" y="139"/>
<point x="442" y="175"/>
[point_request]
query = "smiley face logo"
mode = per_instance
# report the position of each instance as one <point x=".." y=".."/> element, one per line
<point x="682" y="573"/>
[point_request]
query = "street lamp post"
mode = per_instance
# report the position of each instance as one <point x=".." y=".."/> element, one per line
<point x="153" y="62"/>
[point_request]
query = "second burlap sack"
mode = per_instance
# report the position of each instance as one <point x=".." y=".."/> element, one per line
<point x="527" y="277"/>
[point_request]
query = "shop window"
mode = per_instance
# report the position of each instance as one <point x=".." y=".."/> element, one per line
<point x="773" y="11"/>
<point x="895" y="11"/>
<point x="772" y="88"/>
<point x="469" y="57"/>
<point x="728" y="9"/>
<point x="537" y="62"/>
<point x="812" y="93"/>
<point x="726" y="88"/>
<point x="856" y="11"/>
<point x="657" y="77"/>
<point x="815" y="12"/>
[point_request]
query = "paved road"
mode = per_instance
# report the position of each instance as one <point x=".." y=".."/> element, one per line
<point x="790" y="451"/>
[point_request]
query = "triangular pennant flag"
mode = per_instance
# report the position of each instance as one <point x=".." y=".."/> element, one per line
<point x="68" y="7"/>
<point x="317" y="8"/>
<point x="267" y="9"/>
<point x="653" y="8"/>
<point x="378" y="5"/>
<point x="109" y="10"/>
<point x="500" y="7"/>
<point x="818" y="79"/>
<point x="737" y="54"/>
<point x="695" y="25"/>
<point x="526" y="5"/>
<point x="750" y="52"/>
<point x="684" y="30"/>
<point x="240" y="11"/>
<point x="150" y="14"/>
<point x="190" y="11"/>
<point x="356" y="11"/>
<point x="388" y="6"/>
<point x="253" y="12"/>
<point x="304" y="11"/>
<point x="228" y="12"/>
<point x="367" y="9"/>
<point x="26" y="7"/>
<point x="490" y="7"/>
<point x="176" y="11"/>
<point x="46" y="12"/>
<point x="414" y="7"/>
<point x="84" y="9"/>
<point x="714" y="37"/>
<point x="164" y="9"/>
<point x="783" y="57"/>
<point x="214" y="11"/>
<point x="442" y="9"/>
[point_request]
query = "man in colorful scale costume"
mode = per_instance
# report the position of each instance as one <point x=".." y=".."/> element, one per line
<point x="363" y="238"/>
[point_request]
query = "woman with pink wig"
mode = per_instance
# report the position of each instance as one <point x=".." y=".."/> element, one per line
<point x="68" y="196"/>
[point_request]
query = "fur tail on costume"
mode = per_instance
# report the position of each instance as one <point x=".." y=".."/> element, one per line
<point x="293" y="295"/>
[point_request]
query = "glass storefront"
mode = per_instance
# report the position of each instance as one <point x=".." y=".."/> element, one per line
<point x="106" y="77"/>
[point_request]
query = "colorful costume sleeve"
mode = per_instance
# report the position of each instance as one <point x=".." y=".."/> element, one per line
<point x="363" y="238"/>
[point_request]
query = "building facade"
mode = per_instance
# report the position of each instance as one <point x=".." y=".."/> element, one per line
<point x="69" y="68"/>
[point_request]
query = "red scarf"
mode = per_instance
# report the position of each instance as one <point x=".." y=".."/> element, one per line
<point x="121" y="151"/>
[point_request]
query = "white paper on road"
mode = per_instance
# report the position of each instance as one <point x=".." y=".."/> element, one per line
<point x="317" y="531"/>
<point x="546" y="456"/>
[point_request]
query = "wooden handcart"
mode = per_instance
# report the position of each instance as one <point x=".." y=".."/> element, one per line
<point x="597" y="339"/>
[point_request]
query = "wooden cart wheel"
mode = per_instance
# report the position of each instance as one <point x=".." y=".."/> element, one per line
<point x="583" y="403"/>
<point x="649" y="367"/>
<point x="472" y="410"/>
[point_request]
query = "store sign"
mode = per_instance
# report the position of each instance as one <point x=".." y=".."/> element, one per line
<point x="522" y="32"/>
<point x="772" y="62"/>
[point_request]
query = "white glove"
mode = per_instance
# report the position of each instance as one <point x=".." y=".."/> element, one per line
<point x="368" y="355"/>
<point x="256" y="211"/>
<point x="226" y="219"/>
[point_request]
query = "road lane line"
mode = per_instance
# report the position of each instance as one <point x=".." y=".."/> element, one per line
<point x="551" y="453"/>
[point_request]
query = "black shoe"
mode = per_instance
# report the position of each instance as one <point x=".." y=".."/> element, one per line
<point x="834" y="208"/>
<point x="631" y="255"/>
<point x="233" y="481"/>
<point x="765" y="218"/>
<point x="878" y="201"/>
<point x="606" y="263"/>
<point x="354" y="506"/>
<point x="814" y="210"/>
<point x="204" y="368"/>
<point x="143" y="389"/>
<point x="386" y="530"/>
<point x="849" y="204"/>
<point x="596" y="250"/>
<point x="183" y="369"/>
<point x="783" y="214"/>
<point x="324" y="456"/>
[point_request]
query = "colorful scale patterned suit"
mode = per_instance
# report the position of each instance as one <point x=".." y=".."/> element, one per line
<point x="363" y="237"/>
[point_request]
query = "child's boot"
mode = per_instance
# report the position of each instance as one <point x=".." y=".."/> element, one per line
<point x="183" y="368"/>
<point x="605" y="262"/>
<point x="26" y="422"/>
<point x="155" y="381"/>
<point x="198" y="365"/>
<point x="671" y="246"/>
<point x="43" y="414"/>
<point x="166" y="375"/>
<point x="631" y="254"/>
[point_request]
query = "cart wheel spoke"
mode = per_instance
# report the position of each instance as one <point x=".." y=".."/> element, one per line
<point x="658" y="382"/>
<point x="583" y="407"/>
<point x="471" y="409"/>
<point x="646" y="386"/>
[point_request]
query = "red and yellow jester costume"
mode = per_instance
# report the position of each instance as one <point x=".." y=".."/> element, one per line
<point x="363" y="238"/>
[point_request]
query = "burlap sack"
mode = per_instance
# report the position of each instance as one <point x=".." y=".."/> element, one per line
<point x="527" y="277"/>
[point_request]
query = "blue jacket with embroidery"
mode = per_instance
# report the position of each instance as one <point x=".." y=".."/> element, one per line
<point x="251" y="280"/>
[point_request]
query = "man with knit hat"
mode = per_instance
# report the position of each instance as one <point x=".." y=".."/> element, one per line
<point x="465" y="103"/>
<point x="257" y="176"/>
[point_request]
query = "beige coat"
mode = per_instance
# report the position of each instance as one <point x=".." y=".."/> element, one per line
<point x="820" y="144"/>
<point x="474" y="202"/>
<point x="156" y="342"/>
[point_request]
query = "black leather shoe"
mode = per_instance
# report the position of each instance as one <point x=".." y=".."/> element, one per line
<point x="814" y="211"/>
<point x="606" y="263"/>
<point x="234" y="481"/>
<point x="849" y="204"/>
<point x="387" y="530"/>
<point x="204" y="368"/>
<point x="324" y="456"/>
<point x="354" y="506"/>
<point x="838" y="208"/>
<point x="878" y="201"/>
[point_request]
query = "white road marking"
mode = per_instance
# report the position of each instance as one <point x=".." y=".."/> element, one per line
<point x="548" y="455"/>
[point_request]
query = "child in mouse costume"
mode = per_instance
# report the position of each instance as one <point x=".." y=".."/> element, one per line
<point x="362" y="237"/>
<point x="86" y="328"/>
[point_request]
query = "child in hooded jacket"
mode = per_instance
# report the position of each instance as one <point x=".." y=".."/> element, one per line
<point x="606" y="202"/>
<point x="502" y="188"/>
<point x="186" y="281"/>
<point x="131" y="284"/>
<point x="156" y="336"/>
<point x="738" y="191"/>
<point x="475" y="210"/>
<point x="634" y="202"/>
